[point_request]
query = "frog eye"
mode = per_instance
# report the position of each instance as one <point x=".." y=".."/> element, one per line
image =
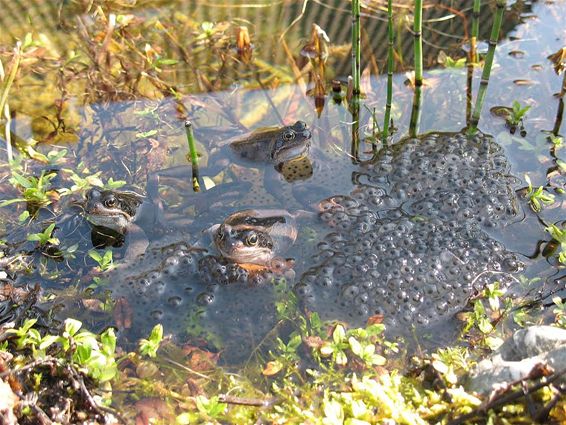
<point x="252" y="240"/>
<point x="110" y="202"/>
<point x="289" y="135"/>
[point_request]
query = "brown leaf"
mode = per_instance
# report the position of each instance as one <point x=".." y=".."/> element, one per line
<point x="313" y="341"/>
<point x="559" y="60"/>
<point x="93" y="304"/>
<point x="376" y="319"/>
<point x="194" y="387"/>
<point x="123" y="313"/>
<point x="150" y="409"/>
<point x="201" y="360"/>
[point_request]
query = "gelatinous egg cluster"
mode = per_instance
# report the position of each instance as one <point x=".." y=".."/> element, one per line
<point x="156" y="287"/>
<point x="195" y="294"/>
<point x="409" y="242"/>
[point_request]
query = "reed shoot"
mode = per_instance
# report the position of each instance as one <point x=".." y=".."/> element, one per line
<point x="414" y="124"/>
<point x="193" y="154"/>
<point x="487" y="67"/>
<point x="387" y="118"/>
<point x="475" y="31"/>
<point x="356" y="48"/>
<point x="417" y="32"/>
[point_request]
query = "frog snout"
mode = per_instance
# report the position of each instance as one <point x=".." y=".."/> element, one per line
<point x="236" y="244"/>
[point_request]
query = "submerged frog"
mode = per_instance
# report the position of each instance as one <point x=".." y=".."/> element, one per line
<point x="255" y="236"/>
<point x="276" y="145"/>
<point x="112" y="209"/>
<point x="119" y="216"/>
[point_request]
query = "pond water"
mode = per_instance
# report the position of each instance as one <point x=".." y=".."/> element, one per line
<point x="406" y="233"/>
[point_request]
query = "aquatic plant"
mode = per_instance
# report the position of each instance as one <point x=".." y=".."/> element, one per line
<point x="418" y="43"/>
<point x="500" y="5"/>
<point x="559" y="235"/>
<point x="193" y="154"/>
<point x="104" y="261"/>
<point x="537" y="196"/>
<point x="36" y="191"/>
<point x="517" y="113"/>
<point x="475" y="31"/>
<point x="356" y="49"/>
<point x="416" y="112"/>
<point x="45" y="237"/>
<point x="390" y="41"/>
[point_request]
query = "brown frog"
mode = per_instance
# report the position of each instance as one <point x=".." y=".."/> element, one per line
<point x="256" y="237"/>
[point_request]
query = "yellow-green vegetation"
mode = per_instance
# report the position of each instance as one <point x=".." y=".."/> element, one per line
<point x="559" y="236"/>
<point x="322" y="373"/>
<point x="537" y="196"/>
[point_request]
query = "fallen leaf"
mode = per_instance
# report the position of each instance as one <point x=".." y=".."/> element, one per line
<point x="123" y="313"/>
<point x="152" y="409"/>
<point x="272" y="368"/>
<point x="201" y="360"/>
<point x="313" y="341"/>
<point x="376" y="319"/>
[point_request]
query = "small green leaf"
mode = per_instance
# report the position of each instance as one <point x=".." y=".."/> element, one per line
<point x="72" y="326"/>
<point x="339" y="334"/>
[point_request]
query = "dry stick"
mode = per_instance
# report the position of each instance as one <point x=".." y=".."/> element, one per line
<point x="246" y="401"/>
<point x="417" y="32"/>
<point x="387" y="118"/>
<point x="77" y="379"/>
<point x="487" y="67"/>
<point x="14" y="65"/>
<point x="193" y="154"/>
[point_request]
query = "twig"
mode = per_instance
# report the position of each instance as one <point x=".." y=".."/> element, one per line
<point x="99" y="409"/>
<point x="246" y="401"/>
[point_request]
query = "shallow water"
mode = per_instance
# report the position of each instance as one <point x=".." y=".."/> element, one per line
<point x="127" y="131"/>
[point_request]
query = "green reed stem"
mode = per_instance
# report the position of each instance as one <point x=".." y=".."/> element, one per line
<point x="387" y="118"/>
<point x="355" y="148"/>
<point x="416" y="112"/>
<point x="193" y="154"/>
<point x="356" y="47"/>
<point x="473" y="56"/>
<point x="417" y="30"/>
<point x="487" y="67"/>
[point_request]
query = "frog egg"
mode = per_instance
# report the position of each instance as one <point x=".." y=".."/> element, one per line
<point x="205" y="298"/>
<point x="175" y="301"/>
<point x="349" y="292"/>
<point x="324" y="282"/>
<point x="303" y="290"/>
<point x="156" y="314"/>
<point x="361" y="310"/>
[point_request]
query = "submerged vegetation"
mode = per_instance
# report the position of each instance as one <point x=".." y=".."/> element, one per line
<point x="133" y="87"/>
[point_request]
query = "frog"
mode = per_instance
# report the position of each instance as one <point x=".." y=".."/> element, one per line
<point x="255" y="236"/>
<point x="247" y="171"/>
<point x="119" y="217"/>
